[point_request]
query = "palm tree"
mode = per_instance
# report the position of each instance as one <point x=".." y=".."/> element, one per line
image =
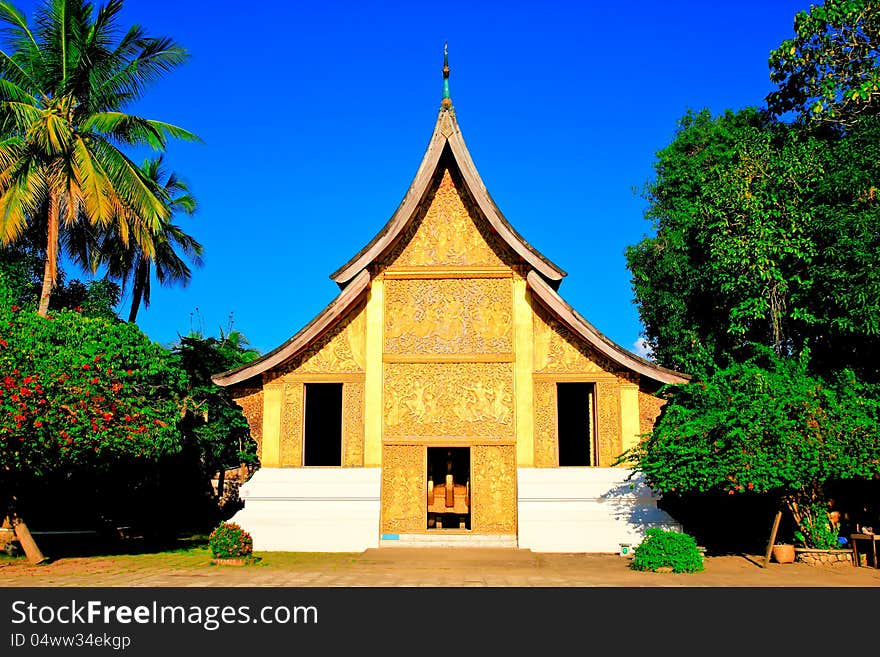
<point x="133" y="264"/>
<point x="63" y="86"/>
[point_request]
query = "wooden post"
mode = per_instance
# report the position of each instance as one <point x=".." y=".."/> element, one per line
<point x="28" y="544"/>
<point x="772" y="538"/>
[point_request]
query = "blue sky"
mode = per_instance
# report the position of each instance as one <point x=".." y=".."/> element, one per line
<point x="315" y="116"/>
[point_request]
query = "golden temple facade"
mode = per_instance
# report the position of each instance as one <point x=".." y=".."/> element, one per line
<point x="447" y="366"/>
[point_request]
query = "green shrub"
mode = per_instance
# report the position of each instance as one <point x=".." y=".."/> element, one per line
<point x="815" y="529"/>
<point x="229" y="540"/>
<point x="666" y="548"/>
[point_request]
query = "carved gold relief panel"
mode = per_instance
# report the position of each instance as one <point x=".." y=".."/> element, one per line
<point x="251" y="402"/>
<point x="545" y="425"/>
<point x="353" y="424"/>
<point x="448" y="399"/>
<point x="649" y="411"/>
<point x="292" y="426"/>
<point x="404" y="489"/>
<point x="446" y="235"/>
<point x="494" y="489"/>
<point x="339" y="351"/>
<point x="608" y="420"/>
<point x="557" y="349"/>
<point x="449" y="316"/>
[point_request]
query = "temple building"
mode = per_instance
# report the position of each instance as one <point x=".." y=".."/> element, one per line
<point x="448" y="395"/>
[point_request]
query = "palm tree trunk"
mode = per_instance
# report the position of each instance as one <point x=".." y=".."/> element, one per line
<point x="140" y="271"/>
<point x="46" y="293"/>
<point x="50" y="272"/>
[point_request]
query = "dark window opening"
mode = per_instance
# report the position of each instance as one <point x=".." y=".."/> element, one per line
<point x="322" y="432"/>
<point x="574" y="405"/>
<point x="449" y="488"/>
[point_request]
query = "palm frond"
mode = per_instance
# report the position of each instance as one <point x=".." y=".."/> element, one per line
<point x="23" y="115"/>
<point x="125" y="128"/>
<point x="93" y="183"/>
<point x="155" y="58"/>
<point x="129" y="184"/>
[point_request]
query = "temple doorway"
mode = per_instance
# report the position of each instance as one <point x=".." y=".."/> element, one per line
<point x="449" y="488"/>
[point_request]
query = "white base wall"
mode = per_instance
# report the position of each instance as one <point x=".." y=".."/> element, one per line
<point x="585" y="509"/>
<point x="312" y="509"/>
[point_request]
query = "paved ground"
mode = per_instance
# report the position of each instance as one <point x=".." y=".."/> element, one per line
<point x="414" y="567"/>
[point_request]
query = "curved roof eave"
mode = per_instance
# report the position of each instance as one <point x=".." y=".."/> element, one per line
<point x="324" y="321"/>
<point x="446" y="131"/>
<point x="551" y="300"/>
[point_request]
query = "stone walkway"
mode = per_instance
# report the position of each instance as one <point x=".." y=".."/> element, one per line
<point x="418" y="567"/>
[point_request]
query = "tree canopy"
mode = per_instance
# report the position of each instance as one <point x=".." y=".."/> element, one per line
<point x="760" y="279"/>
<point x="829" y="72"/>
<point x="764" y="233"/>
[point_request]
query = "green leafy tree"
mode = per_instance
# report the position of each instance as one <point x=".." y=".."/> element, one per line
<point x="761" y="231"/>
<point x="766" y="425"/>
<point x="830" y="71"/>
<point x="211" y="419"/>
<point x="63" y="87"/>
<point x="79" y="394"/>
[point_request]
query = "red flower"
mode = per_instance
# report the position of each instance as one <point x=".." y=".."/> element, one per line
<point x="108" y="416"/>
<point x="15" y="308"/>
<point x="87" y="366"/>
<point x="38" y="424"/>
<point x="3" y="343"/>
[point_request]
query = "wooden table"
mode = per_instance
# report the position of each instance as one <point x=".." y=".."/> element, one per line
<point x="855" y="538"/>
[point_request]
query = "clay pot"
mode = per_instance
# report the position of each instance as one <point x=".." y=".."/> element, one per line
<point x="783" y="553"/>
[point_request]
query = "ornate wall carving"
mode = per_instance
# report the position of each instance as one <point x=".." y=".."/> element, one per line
<point x="251" y="402"/>
<point x="448" y="399"/>
<point x="404" y="489"/>
<point x="557" y="349"/>
<point x="340" y="350"/>
<point x="449" y="316"/>
<point x="649" y="411"/>
<point x="546" y="452"/>
<point x="608" y="421"/>
<point x="447" y="235"/>
<point x="353" y="424"/>
<point x="494" y="489"/>
<point x="292" y="426"/>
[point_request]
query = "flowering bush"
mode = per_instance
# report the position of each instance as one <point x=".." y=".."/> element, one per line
<point x="229" y="540"/>
<point x="80" y="393"/>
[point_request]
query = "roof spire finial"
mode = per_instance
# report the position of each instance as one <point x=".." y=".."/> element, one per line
<point x="447" y="101"/>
